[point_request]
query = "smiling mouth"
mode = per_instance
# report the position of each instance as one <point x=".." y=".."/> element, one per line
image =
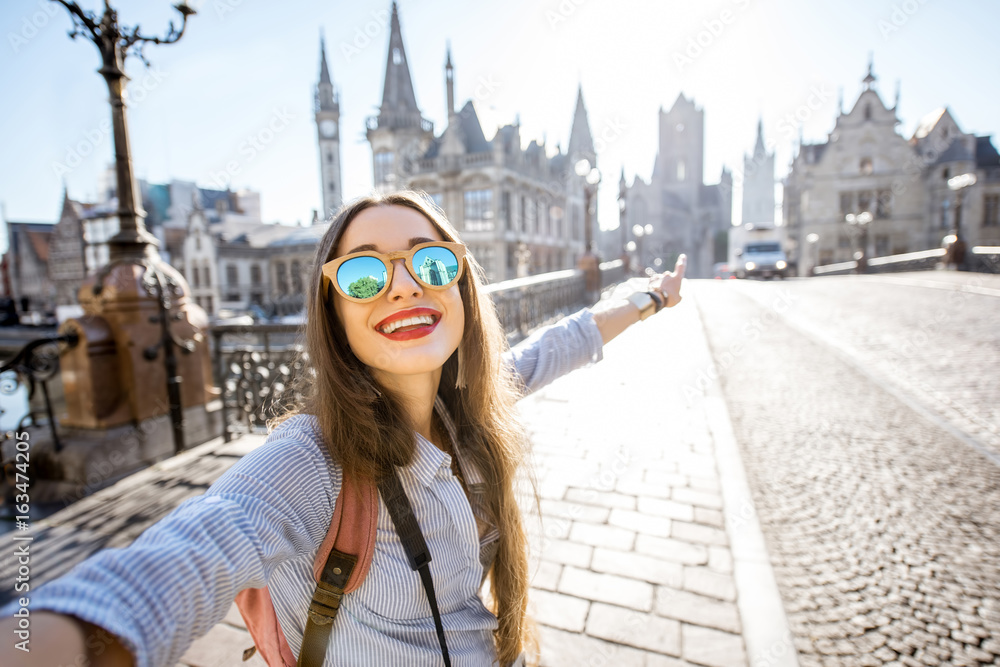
<point x="408" y="324"/>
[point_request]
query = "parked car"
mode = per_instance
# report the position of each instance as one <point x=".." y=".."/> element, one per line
<point x="762" y="258"/>
<point x="721" y="271"/>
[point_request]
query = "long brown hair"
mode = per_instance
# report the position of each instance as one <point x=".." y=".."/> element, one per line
<point x="365" y="426"/>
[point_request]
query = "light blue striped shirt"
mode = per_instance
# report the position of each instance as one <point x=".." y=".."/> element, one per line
<point x="262" y="522"/>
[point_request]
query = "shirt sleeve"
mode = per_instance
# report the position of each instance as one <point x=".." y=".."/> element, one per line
<point x="555" y="350"/>
<point x="179" y="578"/>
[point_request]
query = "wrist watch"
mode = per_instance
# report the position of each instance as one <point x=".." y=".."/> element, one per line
<point x="644" y="302"/>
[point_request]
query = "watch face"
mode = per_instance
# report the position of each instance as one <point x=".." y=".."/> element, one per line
<point x="328" y="128"/>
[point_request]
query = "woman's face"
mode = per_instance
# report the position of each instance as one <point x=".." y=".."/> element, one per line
<point x="410" y="350"/>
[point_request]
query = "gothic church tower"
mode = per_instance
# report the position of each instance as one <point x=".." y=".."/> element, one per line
<point x="758" y="184"/>
<point x="399" y="135"/>
<point x="328" y="133"/>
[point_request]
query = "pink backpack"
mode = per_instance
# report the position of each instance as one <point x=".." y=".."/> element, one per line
<point x="351" y="543"/>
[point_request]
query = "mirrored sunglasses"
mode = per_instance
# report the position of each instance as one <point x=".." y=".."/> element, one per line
<point x="364" y="276"/>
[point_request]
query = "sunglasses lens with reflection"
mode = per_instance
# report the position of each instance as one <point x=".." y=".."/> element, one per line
<point x="435" y="265"/>
<point x="362" y="277"/>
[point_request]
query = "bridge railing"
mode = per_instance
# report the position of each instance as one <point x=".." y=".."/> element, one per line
<point x="982" y="259"/>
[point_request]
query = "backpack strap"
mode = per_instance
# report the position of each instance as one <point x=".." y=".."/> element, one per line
<point x="413" y="543"/>
<point x="341" y="564"/>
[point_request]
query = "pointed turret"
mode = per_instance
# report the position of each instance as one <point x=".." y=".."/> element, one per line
<point x="869" y="79"/>
<point x="759" y="148"/>
<point x="399" y="104"/>
<point x="325" y="96"/>
<point x="581" y="141"/>
<point x="449" y="81"/>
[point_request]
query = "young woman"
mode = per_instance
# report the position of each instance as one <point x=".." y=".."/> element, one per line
<point x="409" y="372"/>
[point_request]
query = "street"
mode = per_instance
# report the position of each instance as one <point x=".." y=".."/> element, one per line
<point x="865" y="408"/>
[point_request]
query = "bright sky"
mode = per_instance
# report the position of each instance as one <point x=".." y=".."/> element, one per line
<point x="246" y="65"/>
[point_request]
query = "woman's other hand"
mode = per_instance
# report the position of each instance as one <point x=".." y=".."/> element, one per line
<point x="669" y="283"/>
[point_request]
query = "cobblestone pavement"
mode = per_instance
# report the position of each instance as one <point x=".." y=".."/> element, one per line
<point x="883" y="527"/>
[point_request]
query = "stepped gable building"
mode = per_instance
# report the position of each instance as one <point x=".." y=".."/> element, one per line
<point x="520" y="210"/>
<point x="686" y="214"/>
<point x="866" y="166"/>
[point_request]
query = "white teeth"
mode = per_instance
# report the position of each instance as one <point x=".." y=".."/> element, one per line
<point x="409" y="321"/>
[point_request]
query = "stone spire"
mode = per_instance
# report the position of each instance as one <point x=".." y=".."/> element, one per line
<point x="581" y="141"/>
<point x="870" y="77"/>
<point x="759" y="148"/>
<point x="325" y="96"/>
<point x="449" y="80"/>
<point x="399" y="104"/>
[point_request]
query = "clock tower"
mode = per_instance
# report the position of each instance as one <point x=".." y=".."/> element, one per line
<point x="328" y="133"/>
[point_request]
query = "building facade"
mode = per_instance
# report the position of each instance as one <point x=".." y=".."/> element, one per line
<point x="520" y="210"/>
<point x="868" y="191"/>
<point x="677" y="210"/>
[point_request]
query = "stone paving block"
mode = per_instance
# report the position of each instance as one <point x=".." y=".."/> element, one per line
<point x="720" y="559"/>
<point x="546" y="576"/>
<point x="694" y="532"/>
<point x="704" y="483"/>
<point x="602" y="498"/>
<point x="635" y="488"/>
<point x="697" y="609"/>
<point x="566" y="649"/>
<point x="708" y="499"/>
<point x="626" y="626"/>
<point x="697" y="467"/>
<point x="640" y="522"/>
<point x="664" y="478"/>
<point x="222" y="646"/>
<point x="638" y="566"/>
<point x="233" y="617"/>
<point x="672" y="550"/>
<point x="656" y="660"/>
<point x="574" y="511"/>
<point x="712" y="647"/>
<point x="668" y="508"/>
<point x="712" y="584"/>
<point x="606" y="588"/>
<point x="567" y="553"/>
<point x="708" y="517"/>
<point x="602" y="536"/>
<point x="559" y="611"/>
<point x="554" y="527"/>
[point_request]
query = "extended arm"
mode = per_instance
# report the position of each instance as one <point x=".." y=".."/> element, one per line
<point x="618" y="317"/>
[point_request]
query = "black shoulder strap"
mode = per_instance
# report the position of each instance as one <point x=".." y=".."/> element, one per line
<point x="413" y="543"/>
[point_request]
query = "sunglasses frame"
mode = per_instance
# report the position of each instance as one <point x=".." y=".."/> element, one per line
<point x="388" y="260"/>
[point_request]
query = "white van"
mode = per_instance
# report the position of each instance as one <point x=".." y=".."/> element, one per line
<point x="761" y="258"/>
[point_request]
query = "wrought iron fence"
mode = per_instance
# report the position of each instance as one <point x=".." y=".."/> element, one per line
<point x="32" y="368"/>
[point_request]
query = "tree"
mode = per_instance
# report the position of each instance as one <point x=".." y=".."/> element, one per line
<point x="362" y="288"/>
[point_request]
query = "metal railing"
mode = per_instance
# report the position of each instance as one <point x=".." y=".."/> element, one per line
<point x="982" y="259"/>
<point x="34" y="366"/>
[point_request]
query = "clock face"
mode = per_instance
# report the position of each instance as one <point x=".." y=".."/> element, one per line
<point x="328" y="128"/>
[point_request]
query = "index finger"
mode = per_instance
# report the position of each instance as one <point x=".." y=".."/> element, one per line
<point x="681" y="265"/>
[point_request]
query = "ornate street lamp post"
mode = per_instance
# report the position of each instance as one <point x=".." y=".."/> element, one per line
<point x="861" y="221"/>
<point x="589" y="261"/>
<point x="133" y="240"/>
<point x="129" y="300"/>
